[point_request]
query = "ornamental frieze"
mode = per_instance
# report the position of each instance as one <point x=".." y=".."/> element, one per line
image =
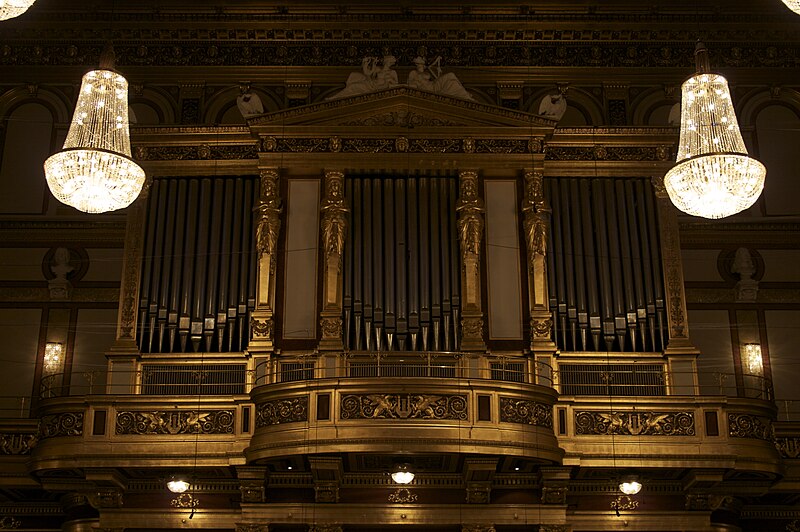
<point x="749" y="426"/>
<point x="470" y="52"/>
<point x="280" y="411"/>
<point x="607" y="153"/>
<point x="195" y="153"/>
<point x="635" y="423"/>
<point x="525" y="412"/>
<point x="403" y="406"/>
<point x="180" y="422"/>
<point x="17" y="443"/>
<point x="61" y="424"/>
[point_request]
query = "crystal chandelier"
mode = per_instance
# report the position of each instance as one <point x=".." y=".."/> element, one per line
<point x="714" y="177"/>
<point x="94" y="171"/>
<point x="794" y="5"/>
<point x="14" y="8"/>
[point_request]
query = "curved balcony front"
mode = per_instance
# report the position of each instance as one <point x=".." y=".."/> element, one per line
<point x="402" y="414"/>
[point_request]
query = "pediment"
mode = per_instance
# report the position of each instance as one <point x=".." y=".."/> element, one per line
<point x="401" y="107"/>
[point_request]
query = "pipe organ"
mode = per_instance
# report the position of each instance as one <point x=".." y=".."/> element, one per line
<point x="401" y="264"/>
<point x="604" y="271"/>
<point x="198" y="269"/>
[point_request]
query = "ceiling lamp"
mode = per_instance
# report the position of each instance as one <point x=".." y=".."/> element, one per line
<point x="794" y="5"/>
<point x="714" y="177"/>
<point x="402" y="474"/>
<point x="14" y="8"/>
<point x="630" y="485"/>
<point x="94" y="171"/>
<point x="177" y="485"/>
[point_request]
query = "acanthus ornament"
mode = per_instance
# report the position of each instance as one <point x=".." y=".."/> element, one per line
<point x="171" y="422"/>
<point x="749" y="426"/>
<point x="542" y="328"/>
<point x="61" y="424"/>
<point x="331" y="327"/>
<point x="635" y="423"/>
<point x="525" y="412"/>
<point x="403" y="406"/>
<point x="279" y="411"/>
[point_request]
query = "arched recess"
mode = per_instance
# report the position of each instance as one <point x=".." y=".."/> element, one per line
<point x="153" y="107"/>
<point x="652" y="108"/>
<point x="775" y="138"/>
<point x="582" y="108"/>
<point x="221" y="106"/>
<point x="29" y="135"/>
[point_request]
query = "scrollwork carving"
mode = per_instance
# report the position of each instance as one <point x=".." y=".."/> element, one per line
<point x="542" y="328"/>
<point x="403" y="496"/>
<point x="8" y="522"/>
<point x="788" y="447"/>
<point x="525" y="412"/>
<point x="280" y="411"/>
<point x="635" y="423"/>
<point x="17" y="443"/>
<point x="261" y="328"/>
<point x="331" y="327"/>
<point x="61" y="424"/>
<point x="749" y="426"/>
<point x="624" y="503"/>
<point x="404" y="406"/>
<point x="180" y="422"/>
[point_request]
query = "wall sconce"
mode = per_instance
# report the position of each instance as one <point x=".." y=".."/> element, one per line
<point x="177" y="484"/>
<point x="630" y="485"/>
<point x="752" y="361"/>
<point x="53" y="358"/>
<point x="402" y="474"/>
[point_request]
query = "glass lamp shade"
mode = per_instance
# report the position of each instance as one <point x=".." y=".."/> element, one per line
<point x="402" y="474"/>
<point x="177" y="485"/>
<point x="794" y="5"/>
<point x="714" y="177"/>
<point x="14" y="8"/>
<point x="630" y="487"/>
<point x="94" y="171"/>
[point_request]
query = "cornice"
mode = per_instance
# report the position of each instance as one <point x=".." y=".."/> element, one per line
<point x="23" y="233"/>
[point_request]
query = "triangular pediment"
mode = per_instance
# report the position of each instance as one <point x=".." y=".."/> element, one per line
<point x="401" y="107"/>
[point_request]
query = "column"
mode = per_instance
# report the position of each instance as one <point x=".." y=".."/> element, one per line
<point x="267" y="227"/>
<point x="680" y="352"/>
<point x="333" y="227"/>
<point x="536" y="223"/>
<point x="470" y="208"/>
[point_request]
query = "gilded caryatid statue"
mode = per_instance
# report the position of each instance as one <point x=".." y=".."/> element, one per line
<point x="334" y="215"/>
<point x="536" y="224"/>
<point x="536" y="214"/>
<point x="268" y="224"/>
<point x="470" y="216"/>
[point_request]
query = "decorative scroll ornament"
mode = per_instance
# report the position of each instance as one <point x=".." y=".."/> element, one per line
<point x="9" y="523"/>
<point x="331" y="327"/>
<point x="261" y="328"/>
<point x="623" y="503"/>
<point x="14" y="8"/>
<point x="794" y="5"/>
<point x="749" y="426"/>
<point x="788" y="447"/>
<point x="282" y="411"/>
<point x="525" y="412"/>
<point x="17" y="443"/>
<point x="185" y="500"/>
<point x="403" y="406"/>
<point x="714" y="177"/>
<point x="182" y="422"/>
<point x="402" y="496"/>
<point x="635" y="423"/>
<point x="542" y="328"/>
<point x="61" y="424"/>
<point x="94" y="171"/>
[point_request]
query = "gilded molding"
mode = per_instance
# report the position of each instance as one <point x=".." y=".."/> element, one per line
<point x="17" y="443"/>
<point x="635" y="423"/>
<point x="132" y="262"/>
<point x="403" y="496"/>
<point x="607" y="153"/>
<point x="247" y="527"/>
<point x="749" y="426"/>
<point x="195" y="152"/>
<point x="32" y="294"/>
<point x="261" y="328"/>
<point x="280" y="411"/>
<point x="403" y="406"/>
<point x="525" y="412"/>
<point x="175" y="422"/>
<point x="61" y="424"/>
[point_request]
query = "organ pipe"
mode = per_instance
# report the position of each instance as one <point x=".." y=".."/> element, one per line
<point x="199" y="260"/>
<point x="605" y="266"/>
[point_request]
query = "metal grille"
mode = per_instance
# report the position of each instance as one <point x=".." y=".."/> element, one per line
<point x="401" y="369"/>
<point x="193" y="379"/>
<point x="296" y="371"/>
<point x="612" y="379"/>
<point x="508" y="371"/>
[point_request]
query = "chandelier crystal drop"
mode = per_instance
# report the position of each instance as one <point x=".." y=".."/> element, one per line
<point x="14" y="8"/>
<point x="714" y="177"/>
<point x="794" y="5"/>
<point x="94" y="171"/>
